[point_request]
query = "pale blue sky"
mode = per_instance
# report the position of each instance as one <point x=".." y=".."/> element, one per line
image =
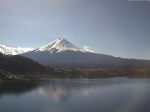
<point x="116" y="27"/>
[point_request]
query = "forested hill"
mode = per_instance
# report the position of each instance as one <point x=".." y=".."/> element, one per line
<point x="19" y="64"/>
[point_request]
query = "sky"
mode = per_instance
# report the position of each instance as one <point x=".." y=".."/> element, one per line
<point x="116" y="27"/>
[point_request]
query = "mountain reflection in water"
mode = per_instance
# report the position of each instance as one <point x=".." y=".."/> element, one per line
<point x="77" y="95"/>
<point x="62" y="90"/>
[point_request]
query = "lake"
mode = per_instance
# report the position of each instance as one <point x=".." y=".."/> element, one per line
<point x="77" y="95"/>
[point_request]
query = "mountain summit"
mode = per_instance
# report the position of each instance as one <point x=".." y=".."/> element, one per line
<point x="59" y="45"/>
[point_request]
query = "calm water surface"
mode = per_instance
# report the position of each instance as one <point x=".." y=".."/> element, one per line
<point x="72" y="95"/>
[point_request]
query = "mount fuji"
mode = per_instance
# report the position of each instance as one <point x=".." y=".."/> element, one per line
<point x="63" y="54"/>
<point x="60" y="45"/>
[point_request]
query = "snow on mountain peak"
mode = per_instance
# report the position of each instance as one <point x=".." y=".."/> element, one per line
<point x="13" y="51"/>
<point x="55" y="46"/>
<point x="59" y="45"/>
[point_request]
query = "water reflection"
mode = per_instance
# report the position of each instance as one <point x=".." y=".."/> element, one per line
<point x="115" y="95"/>
<point x="61" y="90"/>
<point x="102" y="95"/>
<point x="16" y="88"/>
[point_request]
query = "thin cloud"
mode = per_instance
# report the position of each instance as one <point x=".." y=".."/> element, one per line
<point x="87" y="48"/>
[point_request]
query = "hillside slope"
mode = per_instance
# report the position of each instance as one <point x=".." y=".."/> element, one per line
<point x="19" y="64"/>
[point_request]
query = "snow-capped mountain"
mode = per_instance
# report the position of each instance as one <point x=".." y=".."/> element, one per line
<point x="63" y="54"/>
<point x="13" y="51"/>
<point x="60" y="45"/>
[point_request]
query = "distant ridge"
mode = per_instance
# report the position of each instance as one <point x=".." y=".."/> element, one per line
<point x="13" y="51"/>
